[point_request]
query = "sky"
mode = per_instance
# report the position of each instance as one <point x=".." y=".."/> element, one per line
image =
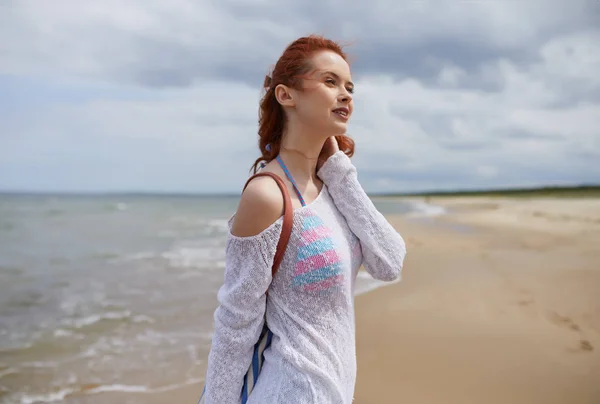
<point x="162" y="96"/>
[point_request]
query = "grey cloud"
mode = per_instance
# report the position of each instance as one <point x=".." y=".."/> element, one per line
<point x="373" y="48"/>
<point x="574" y="93"/>
<point x="424" y="60"/>
<point x="516" y="135"/>
<point x="452" y="145"/>
<point x="585" y="156"/>
<point x="121" y="164"/>
<point x="240" y="41"/>
<point x="171" y="64"/>
<point x="165" y="119"/>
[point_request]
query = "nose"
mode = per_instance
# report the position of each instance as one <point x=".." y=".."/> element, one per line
<point x="345" y="96"/>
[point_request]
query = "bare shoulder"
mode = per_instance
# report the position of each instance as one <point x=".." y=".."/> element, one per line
<point x="260" y="206"/>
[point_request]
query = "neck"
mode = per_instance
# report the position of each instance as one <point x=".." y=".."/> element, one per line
<point x="300" y="152"/>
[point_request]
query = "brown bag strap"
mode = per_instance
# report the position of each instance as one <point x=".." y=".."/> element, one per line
<point x="288" y="217"/>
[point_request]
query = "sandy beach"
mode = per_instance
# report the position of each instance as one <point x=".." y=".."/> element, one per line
<point x="506" y="309"/>
<point x="499" y="303"/>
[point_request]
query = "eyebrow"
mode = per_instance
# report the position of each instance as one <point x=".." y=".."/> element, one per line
<point x="336" y="76"/>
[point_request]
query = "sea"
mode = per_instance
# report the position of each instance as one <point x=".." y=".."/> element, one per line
<point x="114" y="293"/>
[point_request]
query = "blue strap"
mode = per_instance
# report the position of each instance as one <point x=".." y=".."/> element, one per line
<point x="287" y="173"/>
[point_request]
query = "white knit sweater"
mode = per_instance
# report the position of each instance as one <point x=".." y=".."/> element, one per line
<point x="310" y="305"/>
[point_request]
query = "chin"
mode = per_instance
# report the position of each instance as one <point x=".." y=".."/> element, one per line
<point x="339" y="129"/>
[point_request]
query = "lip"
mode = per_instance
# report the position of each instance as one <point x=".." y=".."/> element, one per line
<point x="342" y="109"/>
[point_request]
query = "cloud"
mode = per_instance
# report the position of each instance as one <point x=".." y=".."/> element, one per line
<point x="149" y="95"/>
<point x="153" y="43"/>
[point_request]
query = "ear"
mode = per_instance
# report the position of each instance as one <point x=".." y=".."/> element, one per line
<point x="285" y="96"/>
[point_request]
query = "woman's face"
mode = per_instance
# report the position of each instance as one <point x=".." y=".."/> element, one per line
<point x="325" y="101"/>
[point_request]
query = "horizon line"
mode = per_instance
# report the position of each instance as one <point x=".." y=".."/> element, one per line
<point x="235" y="194"/>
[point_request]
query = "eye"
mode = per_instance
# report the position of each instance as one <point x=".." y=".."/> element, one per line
<point x="331" y="81"/>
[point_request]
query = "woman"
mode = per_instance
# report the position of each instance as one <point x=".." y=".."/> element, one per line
<point x="310" y="307"/>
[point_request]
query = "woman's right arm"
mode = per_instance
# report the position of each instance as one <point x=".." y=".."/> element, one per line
<point x="239" y="318"/>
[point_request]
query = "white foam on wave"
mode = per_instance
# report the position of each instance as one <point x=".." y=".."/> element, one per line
<point x="219" y="224"/>
<point x="139" y="256"/>
<point x="423" y="209"/>
<point x="141" y="318"/>
<point x="125" y="388"/>
<point x="183" y="254"/>
<point x="106" y="347"/>
<point x="186" y="257"/>
<point x="107" y="388"/>
<point x="64" y="393"/>
<point x="62" y="333"/>
<point x="53" y="397"/>
<point x="95" y="318"/>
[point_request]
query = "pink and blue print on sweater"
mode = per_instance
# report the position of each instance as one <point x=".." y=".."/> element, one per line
<point x="318" y="267"/>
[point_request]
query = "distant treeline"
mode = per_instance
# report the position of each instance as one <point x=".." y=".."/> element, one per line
<point x="571" y="191"/>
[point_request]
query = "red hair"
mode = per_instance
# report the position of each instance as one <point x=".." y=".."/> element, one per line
<point x="289" y="69"/>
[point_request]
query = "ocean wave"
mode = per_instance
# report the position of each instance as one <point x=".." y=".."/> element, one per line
<point x="39" y="365"/>
<point x="25" y="299"/>
<point x="16" y="342"/>
<point x="92" y="319"/>
<point x="8" y="371"/>
<point x="54" y="212"/>
<point x="183" y="254"/>
<point x="124" y="388"/>
<point x="104" y="347"/>
<point x="95" y="318"/>
<point x="191" y="257"/>
<point x="190" y="274"/>
<point x="119" y="206"/>
<point x="52" y="397"/>
<point x="219" y="224"/>
<point x="62" y="333"/>
<point x="93" y="389"/>
<point x="138" y="256"/>
<point x="423" y="209"/>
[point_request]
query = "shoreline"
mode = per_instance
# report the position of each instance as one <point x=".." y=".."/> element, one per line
<point x="498" y="303"/>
